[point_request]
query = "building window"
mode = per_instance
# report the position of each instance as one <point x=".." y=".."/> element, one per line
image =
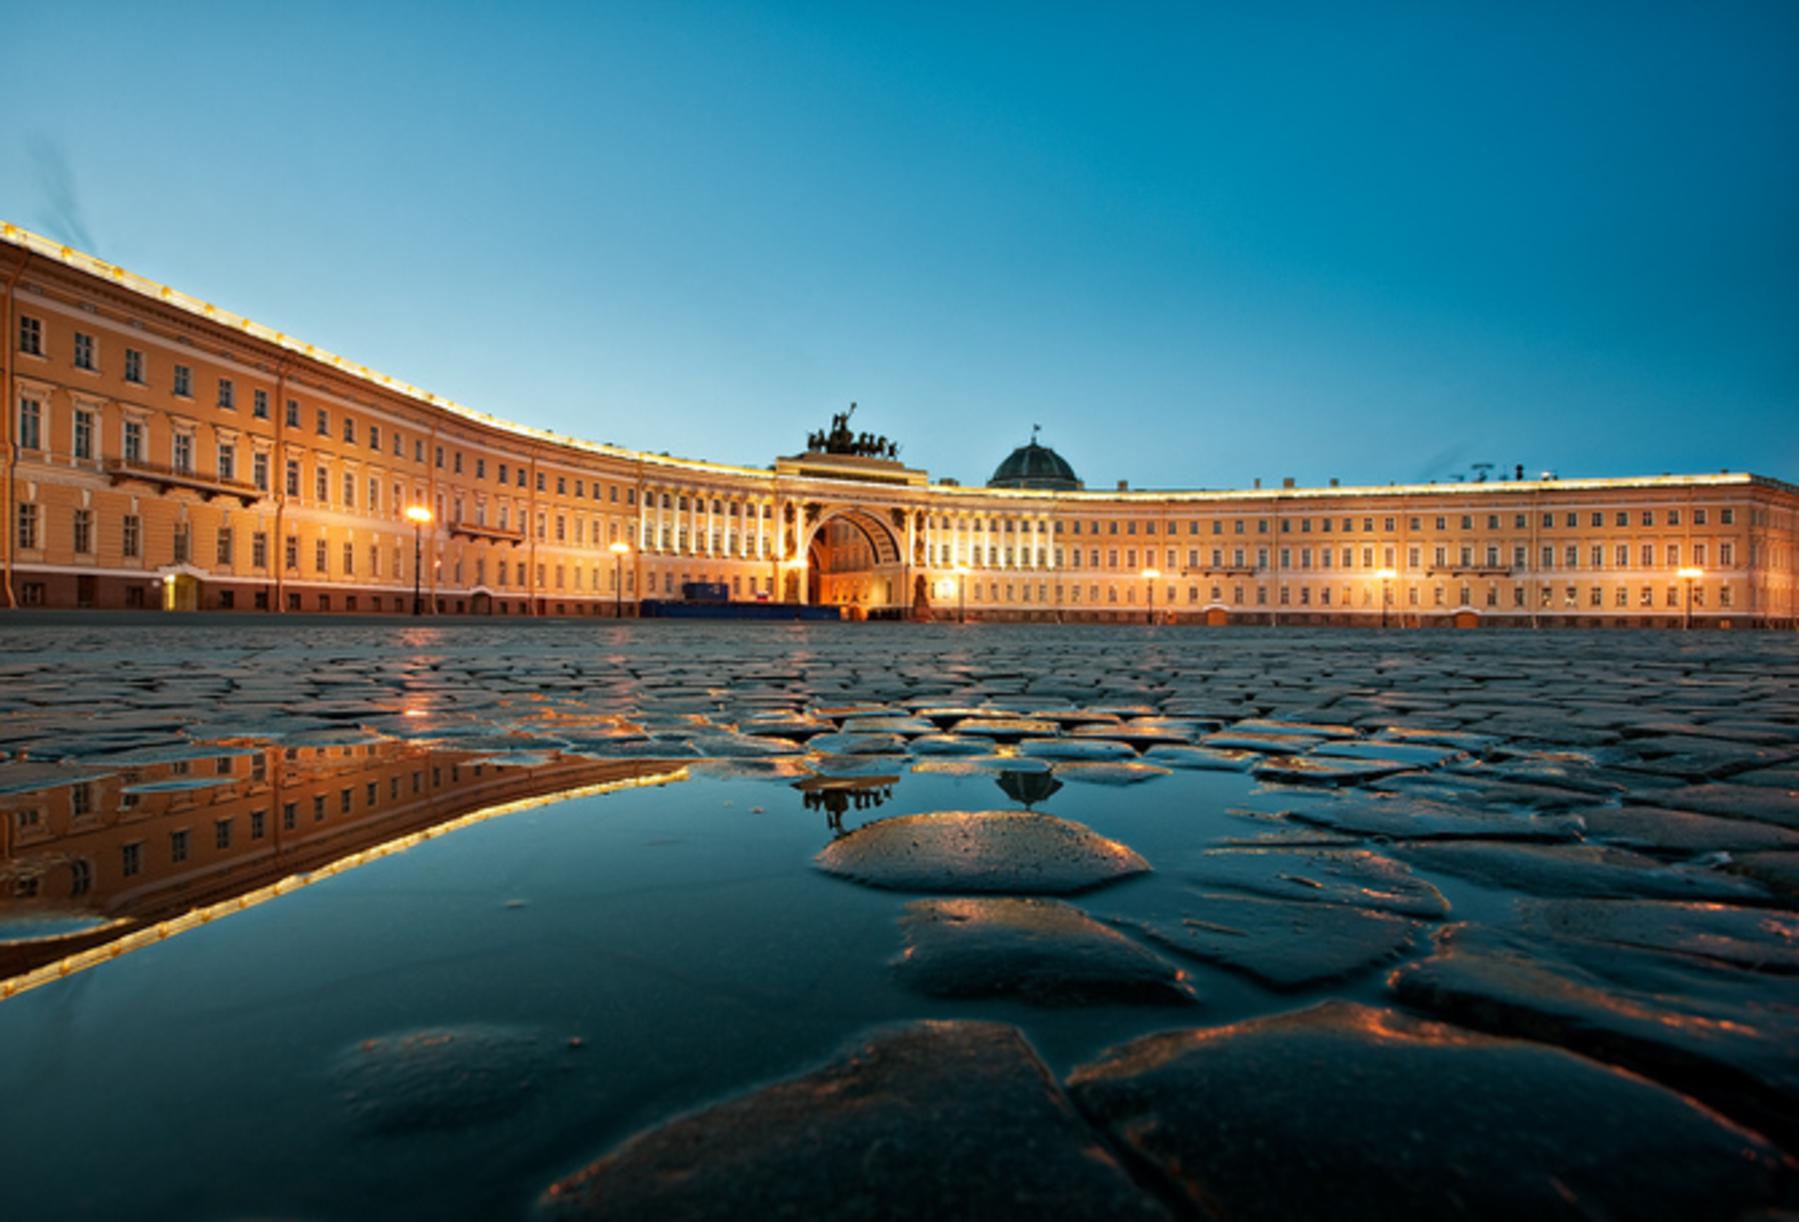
<point x="134" y="366"/>
<point x="131" y="859"/>
<point x="27" y="535"/>
<point x="184" y="452"/>
<point x="349" y="558"/>
<point x="349" y="430"/>
<point x="293" y="413"/>
<point x="133" y="436"/>
<point x="290" y="552"/>
<point x="131" y="541"/>
<point x="183" y="538"/>
<point x="227" y="394"/>
<point x="1727" y="516"/>
<point x="349" y="490"/>
<point x="84" y="350"/>
<point x="84" y="434"/>
<point x="293" y="477"/>
<point x="322" y="423"/>
<point x="320" y="557"/>
<point x="259" y="469"/>
<point x="221" y="834"/>
<point x="184" y="382"/>
<point x="259" y="549"/>
<point x="31" y="335"/>
<point x="225" y="545"/>
<point x="31" y="424"/>
<point x="321" y="485"/>
<point x="178" y="845"/>
<point x="84" y="532"/>
<point x="259" y="404"/>
<point x="227" y="461"/>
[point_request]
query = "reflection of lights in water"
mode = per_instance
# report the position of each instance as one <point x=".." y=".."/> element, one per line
<point x="412" y="712"/>
<point x="151" y="934"/>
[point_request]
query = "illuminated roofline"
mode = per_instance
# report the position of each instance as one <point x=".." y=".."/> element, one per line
<point x="112" y="273"/>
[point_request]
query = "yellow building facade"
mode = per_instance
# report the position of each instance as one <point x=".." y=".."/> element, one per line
<point x="161" y="452"/>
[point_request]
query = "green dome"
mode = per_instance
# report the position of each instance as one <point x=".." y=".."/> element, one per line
<point x="1035" y="466"/>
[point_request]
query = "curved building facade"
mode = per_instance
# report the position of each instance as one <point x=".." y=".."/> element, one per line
<point x="160" y="452"/>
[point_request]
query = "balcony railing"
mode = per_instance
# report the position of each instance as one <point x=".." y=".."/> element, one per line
<point x="165" y="478"/>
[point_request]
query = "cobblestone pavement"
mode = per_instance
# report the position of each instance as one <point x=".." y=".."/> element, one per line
<point x="1622" y="809"/>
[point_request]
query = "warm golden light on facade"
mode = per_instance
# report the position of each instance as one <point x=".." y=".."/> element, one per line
<point x="259" y="473"/>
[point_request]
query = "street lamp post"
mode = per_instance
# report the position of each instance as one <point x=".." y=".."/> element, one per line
<point x="1386" y="592"/>
<point x="961" y="593"/>
<point x="1150" y="577"/>
<point x="619" y="549"/>
<point x="418" y="515"/>
<point x="1691" y="575"/>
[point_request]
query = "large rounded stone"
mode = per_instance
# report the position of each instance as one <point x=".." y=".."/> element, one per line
<point x="441" y="1077"/>
<point x="1343" y="1111"/>
<point x="1041" y="951"/>
<point x="985" y="850"/>
<point x="931" y="1120"/>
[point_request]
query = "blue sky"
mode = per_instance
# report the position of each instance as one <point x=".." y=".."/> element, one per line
<point x="1196" y="243"/>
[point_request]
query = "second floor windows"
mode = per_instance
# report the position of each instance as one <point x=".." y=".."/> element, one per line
<point x="184" y="452"/>
<point x="184" y="381"/>
<point x="227" y="394"/>
<point x="134" y="441"/>
<point x="84" y="351"/>
<point x="31" y="424"/>
<point x="134" y="366"/>
<point x="84" y="434"/>
<point x="31" y="335"/>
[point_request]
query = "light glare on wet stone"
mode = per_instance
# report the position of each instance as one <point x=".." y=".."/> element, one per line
<point x="982" y="851"/>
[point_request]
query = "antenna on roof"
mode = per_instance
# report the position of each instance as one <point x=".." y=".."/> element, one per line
<point x="1035" y="429"/>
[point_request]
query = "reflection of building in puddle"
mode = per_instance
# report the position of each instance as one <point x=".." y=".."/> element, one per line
<point x="87" y="862"/>
<point x="1028" y="788"/>
<point x="838" y="795"/>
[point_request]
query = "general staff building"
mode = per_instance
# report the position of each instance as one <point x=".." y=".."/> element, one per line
<point x="162" y="452"/>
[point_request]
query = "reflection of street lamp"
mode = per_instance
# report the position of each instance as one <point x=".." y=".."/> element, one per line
<point x="1691" y="576"/>
<point x="1150" y="577"/>
<point x="1386" y="593"/>
<point x="418" y="515"/>
<point x="961" y="593"/>
<point x="619" y="550"/>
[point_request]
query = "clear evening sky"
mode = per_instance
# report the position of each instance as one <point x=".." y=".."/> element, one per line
<point x="1196" y="243"/>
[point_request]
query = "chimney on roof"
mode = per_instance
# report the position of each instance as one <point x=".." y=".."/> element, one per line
<point x="1333" y="481"/>
<point x="1258" y="481"/>
<point x="1518" y="472"/>
<point x="1124" y="485"/>
<point x="1287" y="482"/>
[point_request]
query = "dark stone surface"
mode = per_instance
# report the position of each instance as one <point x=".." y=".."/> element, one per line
<point x="1359" y="878"/>
<point x="1284" y="944"/>
<point x="1347" y="1112"/>
<point x="931" y="1120"/>
<point x="983" y="851"/>
<point x="1757" y="938"/>
<point x="1726" y="1036"/>
<point x="439" y="1078"/>
<point x="1041" y="951"/>
<point x="1576" y="870"/>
